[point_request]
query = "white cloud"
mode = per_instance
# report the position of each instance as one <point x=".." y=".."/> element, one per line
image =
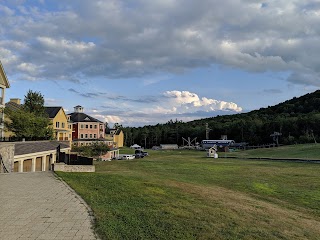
<point x="185" y="101"/>
<point x="183" y="105"/>
<point x="113" y="39"/>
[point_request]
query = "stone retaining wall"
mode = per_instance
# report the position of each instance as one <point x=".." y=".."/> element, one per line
<point x="7" y="156"/>
<point x="62" y="167"/>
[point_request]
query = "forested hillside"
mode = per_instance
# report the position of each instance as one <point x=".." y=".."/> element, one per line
<point x="297" y="119"/>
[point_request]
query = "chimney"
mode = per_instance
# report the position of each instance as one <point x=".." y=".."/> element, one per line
<point x="15" y="100"/>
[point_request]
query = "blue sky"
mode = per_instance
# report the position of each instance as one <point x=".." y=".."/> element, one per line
<point x="144" y="62"/>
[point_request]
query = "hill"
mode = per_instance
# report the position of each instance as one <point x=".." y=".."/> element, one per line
<point x="297" y="119"/>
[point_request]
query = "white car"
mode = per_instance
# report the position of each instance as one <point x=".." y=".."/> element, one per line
<point x="128" y="157"/>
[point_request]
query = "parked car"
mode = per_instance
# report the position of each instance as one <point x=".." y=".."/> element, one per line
<point x="128" y="157"/>
<point x="139" y="155"/>
<point x="141" y="152"/>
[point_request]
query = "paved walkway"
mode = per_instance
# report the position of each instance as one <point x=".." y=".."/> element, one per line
<point x="40" y="206"/>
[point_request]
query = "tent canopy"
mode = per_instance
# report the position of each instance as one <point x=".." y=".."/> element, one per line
<point x="135" y="146"/>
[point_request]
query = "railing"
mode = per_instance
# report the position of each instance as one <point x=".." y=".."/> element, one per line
<point x="19" y="139"/>
<point x="74" y="159"/>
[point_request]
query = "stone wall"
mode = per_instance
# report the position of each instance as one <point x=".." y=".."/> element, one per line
<point x="7" y="155"/>
<point x="62" y="167"/>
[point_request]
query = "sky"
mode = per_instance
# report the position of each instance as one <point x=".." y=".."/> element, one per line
<point x="145" y="62"/>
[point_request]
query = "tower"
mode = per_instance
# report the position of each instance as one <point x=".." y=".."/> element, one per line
<point x="78" y="109"/>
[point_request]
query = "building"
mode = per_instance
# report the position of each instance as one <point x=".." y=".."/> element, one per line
<point x="30" y="156"/>
<point x="169" y="146"/>
<point x="62" y="130"/>
<point x="117" y="136"/>
<point x="4" y="83"/>
<point x="86" y="129"/>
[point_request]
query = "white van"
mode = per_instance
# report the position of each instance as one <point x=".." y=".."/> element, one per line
<point x="128" y="157"/>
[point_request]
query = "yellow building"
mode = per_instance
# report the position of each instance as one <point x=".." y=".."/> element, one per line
<point x="117" y="136"/>
<point x="4" y="83"/>
<point x="61" y="128"/>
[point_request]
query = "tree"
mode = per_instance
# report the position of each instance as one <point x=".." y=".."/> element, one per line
<point x="34" y="103"/>
<point x="30" y="121"/>
<point x="95" y="150"/>
<point x="106" y="128"/>
<point x="117" y="126"/>
<point x="28" y="125"/>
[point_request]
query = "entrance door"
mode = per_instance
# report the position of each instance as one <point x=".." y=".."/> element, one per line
<point x="27" y="164"/>
<point x="39" y="164"/>
<point x="48" y="163"/>
<point x="16" y="167"/>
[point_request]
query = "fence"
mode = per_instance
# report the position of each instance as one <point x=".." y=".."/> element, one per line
<point x="74" y="159"/>
<point x="19" y="139"/>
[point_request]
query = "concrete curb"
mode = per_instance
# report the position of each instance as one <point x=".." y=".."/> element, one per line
<point x="90" y="212"/>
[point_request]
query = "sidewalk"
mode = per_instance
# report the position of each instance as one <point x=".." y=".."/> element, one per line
<point x="40" y="206"/>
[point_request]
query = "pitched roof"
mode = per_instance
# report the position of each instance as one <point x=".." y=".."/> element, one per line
<point x="22" y="148"/>
<point x="52" y="111"/>
<point x="13" y="106"/>
<point x="116" y="131"/>
<point x="82" y="117"/>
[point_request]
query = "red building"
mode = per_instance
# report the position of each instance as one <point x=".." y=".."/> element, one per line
<point x="85" y="129"/>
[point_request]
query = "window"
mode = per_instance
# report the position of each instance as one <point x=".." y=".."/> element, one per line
<point x="95" y="126"/>
<point x="91" y="126"/>
<point x="81" y="136"/>
<point x="86" y="136"/>
<point x="62" y="125"/>
<point x="95" y="135"/>
<point x="86" y="125"/>
<point x="82" y="126"/>
<point x="90" y="135"/>
<point x="57" y="124"/>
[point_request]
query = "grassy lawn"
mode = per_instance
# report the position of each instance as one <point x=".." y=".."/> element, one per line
<point x="183" y="195"/>
<point x="303" y="151"/>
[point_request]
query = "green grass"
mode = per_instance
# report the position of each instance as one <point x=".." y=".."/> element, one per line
<point x="301" y="151"/>
<point x="183" y="195"/>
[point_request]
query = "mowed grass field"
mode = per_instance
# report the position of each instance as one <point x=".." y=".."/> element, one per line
<point x="300" y="151"/>
<point x="184" y="195"/>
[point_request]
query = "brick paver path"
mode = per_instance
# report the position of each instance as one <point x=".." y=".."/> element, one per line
<point x="40" y="206"/>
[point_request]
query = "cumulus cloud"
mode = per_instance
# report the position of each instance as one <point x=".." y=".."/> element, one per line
<point x="87" y="38"/>
<point x="187" y="101"/>
<point x="183" y="105"/>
